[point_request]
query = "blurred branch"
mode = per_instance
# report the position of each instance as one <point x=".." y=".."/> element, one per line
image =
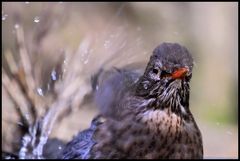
<point x="21" y="86"/>
<point x="66" y="87"/>
<point x="17" y="96"/>
<point x="25" y="61"/>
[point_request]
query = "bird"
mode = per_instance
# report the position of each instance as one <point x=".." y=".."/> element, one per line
<point x="142" y="115"/>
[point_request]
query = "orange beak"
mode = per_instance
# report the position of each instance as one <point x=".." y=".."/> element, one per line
<point x="179" y="73"/>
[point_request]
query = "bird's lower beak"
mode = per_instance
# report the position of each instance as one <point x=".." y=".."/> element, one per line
<point x="179" y="73"/>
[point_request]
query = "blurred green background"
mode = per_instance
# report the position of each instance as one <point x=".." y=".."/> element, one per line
<point x="208" y="30"/>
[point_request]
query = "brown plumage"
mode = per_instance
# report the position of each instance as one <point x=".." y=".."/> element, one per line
<point x="144" y="116"/>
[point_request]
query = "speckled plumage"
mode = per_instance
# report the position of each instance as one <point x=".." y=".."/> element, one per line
<point x="146" y="116"/>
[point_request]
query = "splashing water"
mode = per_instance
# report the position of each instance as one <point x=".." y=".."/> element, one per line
<point x="16" y="26"/>
<point x="64" y="65"/>
<point x="85" y="56"/>
<point x="49" y="119"/>
<point x="85" y="50"/>
<point x="36" y="19"/>
<point x="40" y="91"/>
<point x="54" y="75"/>
<point x="25" y="140"/>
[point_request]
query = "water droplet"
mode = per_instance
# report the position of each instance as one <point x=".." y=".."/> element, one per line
<point x="84" y="54"/>
<point x="97" y="87"/>
<point x="16" y="26"/>
<point x="36" y="19"/>
<point x="54" y="75"/>
<point x="40" y="91"/>
<point x="59" y="147"/>
<point x="4" y="17"/>
<point x="27" y="138"/>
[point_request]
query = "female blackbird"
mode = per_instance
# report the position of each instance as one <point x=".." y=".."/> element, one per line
<point x="145" y="116"/>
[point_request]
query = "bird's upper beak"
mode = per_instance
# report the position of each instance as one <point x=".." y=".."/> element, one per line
<point x="179" y="73"/>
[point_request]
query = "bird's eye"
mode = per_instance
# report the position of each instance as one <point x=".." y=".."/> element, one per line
<point x="155" y="71"/>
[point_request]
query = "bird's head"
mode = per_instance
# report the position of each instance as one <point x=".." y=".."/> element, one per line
<point x="167" y="76"/>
